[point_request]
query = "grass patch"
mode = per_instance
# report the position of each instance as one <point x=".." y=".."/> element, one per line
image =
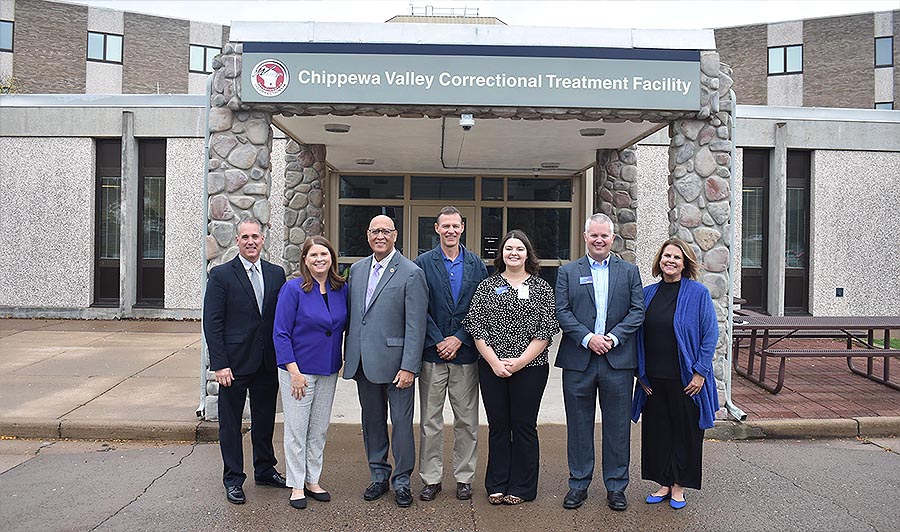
<point x="895" y="343"/>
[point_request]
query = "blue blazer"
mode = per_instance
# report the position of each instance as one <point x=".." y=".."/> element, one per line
<point x="237" y="336"/>
<point x="576" y="311"/>
<point x="307" y="331"/>
<point x="444" y="315"/>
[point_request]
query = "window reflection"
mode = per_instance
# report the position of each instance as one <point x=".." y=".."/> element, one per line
<point x="371" y="187"/>
<point x="354" y="223"/>
<point x="752" y="232"/>
<point x="442" y="188"/>
<point x="549" y="230"/>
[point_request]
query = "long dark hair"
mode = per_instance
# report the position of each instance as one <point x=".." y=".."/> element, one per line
<point x="334" y="277"/>
<point x="532" y="264"/>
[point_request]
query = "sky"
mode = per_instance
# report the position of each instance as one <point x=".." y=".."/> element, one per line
<point x="649" y="14"/>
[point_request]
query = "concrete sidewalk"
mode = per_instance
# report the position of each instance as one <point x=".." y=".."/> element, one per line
<point x="140" y="380"/>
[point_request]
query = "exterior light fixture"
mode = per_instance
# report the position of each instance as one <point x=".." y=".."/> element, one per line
<point x="365" y="162"/>
<point x="337" y="128"/>
<point x="550" y="165"/>
<point x="592" y="132"/>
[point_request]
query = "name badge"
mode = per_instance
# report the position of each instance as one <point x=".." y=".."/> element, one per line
<point x="523" y="291"/>
<point x="501" y="290"/>
<point x="586" y="280"/>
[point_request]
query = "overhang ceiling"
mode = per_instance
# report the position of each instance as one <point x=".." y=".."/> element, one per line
<point x="501" y="145"/>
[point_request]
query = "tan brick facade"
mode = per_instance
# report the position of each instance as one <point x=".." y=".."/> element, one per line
<point x="50" y="47"/>
<point x="839" y="62"/>
<point x="744" y="50"/>
<point x="155" y="55"/>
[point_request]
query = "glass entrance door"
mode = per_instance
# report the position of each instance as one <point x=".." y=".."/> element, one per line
<point x="423" y="237"/>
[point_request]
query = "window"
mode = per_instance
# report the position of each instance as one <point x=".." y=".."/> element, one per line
<point x="108" y="222"/>
<point x="104" y="47"/>
<point x="6" y="36"/>
<point x="202" y="57"/>
<point x="151" y="217"/>
<point x="884" y="51"/>
<point x="786" y="59"/>
<point x="884" y="105"/>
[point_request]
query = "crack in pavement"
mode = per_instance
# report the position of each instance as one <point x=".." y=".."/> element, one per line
<point x="799" y="487"/>
<point x="867" y="441"/>
<point x="150" y="485"/>
<point x="32" y="457"/>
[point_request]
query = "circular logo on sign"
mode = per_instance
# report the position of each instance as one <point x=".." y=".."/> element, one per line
<point x="269" y="77"/>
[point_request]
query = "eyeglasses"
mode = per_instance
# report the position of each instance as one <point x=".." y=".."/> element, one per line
<point x="381" y="232"/>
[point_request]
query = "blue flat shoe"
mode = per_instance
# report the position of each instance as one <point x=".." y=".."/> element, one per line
<point x="677" y="505"/>
<point x="656" y="499"/>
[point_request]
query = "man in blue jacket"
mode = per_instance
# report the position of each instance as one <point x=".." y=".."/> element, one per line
<point x="448" y="362"/>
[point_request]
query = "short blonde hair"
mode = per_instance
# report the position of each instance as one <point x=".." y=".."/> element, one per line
<point x="691" y="266"/>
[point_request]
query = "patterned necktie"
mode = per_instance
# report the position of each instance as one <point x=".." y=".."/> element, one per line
<point x="257" y="286"/>
<point x="373" y="282"/>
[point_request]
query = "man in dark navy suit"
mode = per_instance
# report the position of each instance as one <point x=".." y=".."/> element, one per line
<point x="238" y="314"/>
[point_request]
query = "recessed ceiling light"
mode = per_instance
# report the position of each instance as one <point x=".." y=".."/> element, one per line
<point x="549" y="165"/>
<point x="592" y="132"/>
<point x="365" y="162"/>
<point x="337" y="128"/>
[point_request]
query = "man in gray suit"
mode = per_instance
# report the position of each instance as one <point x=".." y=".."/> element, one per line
<point x="600" y="305"/>
<point x="383" y="353"/>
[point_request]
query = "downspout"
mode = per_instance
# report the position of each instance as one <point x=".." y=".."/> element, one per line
<point x="732" y="408"/>
<point x="204" y="356"/>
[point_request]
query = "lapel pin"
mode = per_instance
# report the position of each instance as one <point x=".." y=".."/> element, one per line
<point x="391" y="270"/>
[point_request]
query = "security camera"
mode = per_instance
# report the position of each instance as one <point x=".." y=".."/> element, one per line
<point x="466" y="122"/>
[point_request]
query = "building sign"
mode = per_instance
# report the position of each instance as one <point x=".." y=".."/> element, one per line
<point x="476" y="75"/>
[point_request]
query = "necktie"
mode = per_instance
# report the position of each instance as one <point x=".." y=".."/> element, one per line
<point x="257" y="286"/>
<point x="373" y="282"/>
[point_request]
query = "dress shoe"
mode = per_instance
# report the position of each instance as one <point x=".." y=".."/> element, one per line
<point x="574" y="499"/>
<point x="616" y="500"/>
<point x="429" y="492"/>
<point x="235" y="494"/>
<point x="376" y="490"/>
<point x="403" y="497"/>
<point x="322" y="496"/>
<point x="677" y="505"/>
<point x="463" y="491"/>
<point x="299" y="504"/>
<point x="275" y="480"/>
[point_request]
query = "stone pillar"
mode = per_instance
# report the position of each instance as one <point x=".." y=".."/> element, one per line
<point x="617" y="197"/>
<point x="777" y="244"/>
<point x="700" y="191"/>
<point x="128" y="239"/>
<point x="304" y="198"/>
<point x="239" y="177"/>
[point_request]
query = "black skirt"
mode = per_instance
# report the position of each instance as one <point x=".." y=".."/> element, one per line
<point x="671" y="438"/>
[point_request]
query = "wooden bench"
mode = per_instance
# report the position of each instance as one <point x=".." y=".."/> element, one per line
<point x="770" y="331"/>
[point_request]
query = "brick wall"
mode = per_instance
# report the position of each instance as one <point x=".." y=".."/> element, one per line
<point x="838" y="62"/>
<point x="50" y="47"/>
<point x="155" y="52"/>
<point x="745" y="50"/>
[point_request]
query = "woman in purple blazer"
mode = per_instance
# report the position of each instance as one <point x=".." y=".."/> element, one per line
<point x="310" y="320"/>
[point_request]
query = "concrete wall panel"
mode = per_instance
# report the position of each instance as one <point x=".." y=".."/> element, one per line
<point x="653" y="207"/>
<point x="50" y="206"/>
<point x="185" y="228"/>
<point x="785" y="33"/>
<point x="6" y="64"/>
<point x="884" y="84"/>
<point x="275" y="242"/>
<point x="106" y="20"/>
<point x="8" y="10"/>
<point x="206" y="34"/>
<point x="884" y="24"/>
<point x="744" y="49"/>
<point x="785" y="91"/>
<point x="197" y="83"/>
<point x="103" y="78"/>
<point x="49" y="56"/>
<point x="838" y="61"/>
<point x="853" y="236"/>
<point x="155" y="55"/>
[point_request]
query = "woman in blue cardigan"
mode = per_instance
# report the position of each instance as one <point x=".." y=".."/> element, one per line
<point x="310" y="320"/>
<point x="677" y="389"/>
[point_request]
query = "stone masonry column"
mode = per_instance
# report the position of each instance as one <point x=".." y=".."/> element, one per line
<point x="617" y="197"/>
<point x="700" y="191"/>
<point x="239" y="178"/>
<point x="304" y="198"/>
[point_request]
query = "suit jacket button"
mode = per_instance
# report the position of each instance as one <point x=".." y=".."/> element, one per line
<point x="327" y="333"/>
<point x="363" y="322"/>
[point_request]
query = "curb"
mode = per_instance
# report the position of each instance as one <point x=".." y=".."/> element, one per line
<point x="208" y="431"/>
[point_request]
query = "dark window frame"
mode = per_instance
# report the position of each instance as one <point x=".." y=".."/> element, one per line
<point x="875" y="53"/>
<point x="761" y="181"/>
<point x="784" y="57"/>
<point x="206" y="50"/>
<point x="105" y="48"/>
<point x="889" y="104"/>
<point x="150" y="271"/>
<point x="106" y="271"/>
<point x="12" y="33"/>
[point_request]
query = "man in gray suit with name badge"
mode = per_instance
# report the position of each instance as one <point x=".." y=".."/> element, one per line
<point x="383" y="353"/>
<point x="600" y="305"/>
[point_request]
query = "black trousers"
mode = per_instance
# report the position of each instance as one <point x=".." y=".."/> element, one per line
<point x="263" y="388"/>
<point x="671" y="438"/>
<point x="512" y="405"/>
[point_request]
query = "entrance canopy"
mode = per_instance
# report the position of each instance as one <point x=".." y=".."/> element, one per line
<point x="542" y="99"/>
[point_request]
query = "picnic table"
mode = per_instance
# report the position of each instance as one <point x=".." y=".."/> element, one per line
<point x="761" y="335"/>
